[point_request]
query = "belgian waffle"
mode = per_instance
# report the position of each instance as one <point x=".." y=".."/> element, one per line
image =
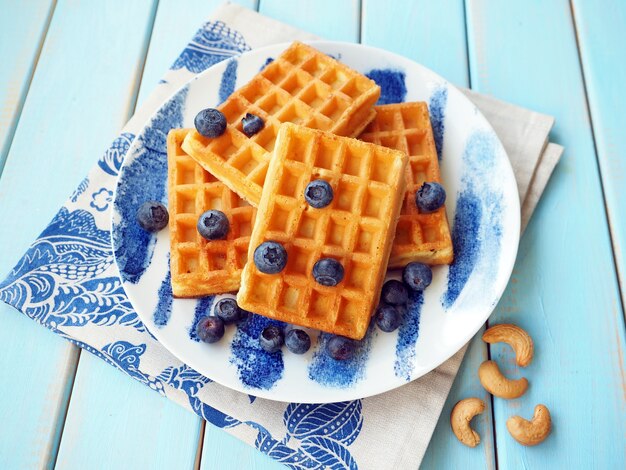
<point x="419" y="237"/>
<point x="303" y="86"/>
<point x="198" y="266"/>
<point x="356" y="229"/>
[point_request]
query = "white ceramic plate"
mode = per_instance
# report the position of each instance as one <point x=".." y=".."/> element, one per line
<point x="483" y="208"/>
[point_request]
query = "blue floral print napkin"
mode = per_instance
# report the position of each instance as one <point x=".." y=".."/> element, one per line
<point x="68" y="282"/>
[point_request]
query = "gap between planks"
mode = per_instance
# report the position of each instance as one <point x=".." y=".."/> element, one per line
<point x="612" y="236"/>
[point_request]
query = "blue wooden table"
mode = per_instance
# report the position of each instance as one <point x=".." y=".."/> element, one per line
<point x="73" y="71"/>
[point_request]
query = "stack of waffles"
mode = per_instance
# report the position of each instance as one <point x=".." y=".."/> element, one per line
<point x="321" y="122"/>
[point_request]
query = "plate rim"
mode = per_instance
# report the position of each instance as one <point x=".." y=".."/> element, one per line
<point x="462" y="339"/>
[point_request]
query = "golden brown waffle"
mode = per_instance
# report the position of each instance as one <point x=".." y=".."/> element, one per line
<point x="303" y="86"/>
<point x="198" y="266"/>
<point x="419" y="237"/>
<point x="356" y="229"/>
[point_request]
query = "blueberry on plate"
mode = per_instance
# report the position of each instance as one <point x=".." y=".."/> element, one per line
<point x="340" y="348"/>
<point x="430" y="197"/>
<point x="328" y="272"/>
<point x="394" y="293"/>
<point x="271" y="339"/>
<point x="210" y="122"/>
<point x="297" y="341"/>
<point x="252" y="124"/>
<point x="152" y="216"/>
<point x="417" y="276"/>
<point x="270" y="257"/>
<point x="228" y="310"/>
<point x="244" y="315"/>
<point x="210" y="329"/>
<point x="388" y="318"/>
<point x="318" y="193"/>
<point x="213" y="225"/>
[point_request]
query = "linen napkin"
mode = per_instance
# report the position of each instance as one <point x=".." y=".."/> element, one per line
<point x="68" y="282"/>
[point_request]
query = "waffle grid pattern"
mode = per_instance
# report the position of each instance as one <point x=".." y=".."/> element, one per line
<point x="355" y="229"/>
<point x="200" y="267"/>
<point x="302" y="86"/>
<point x="419" y="237"/>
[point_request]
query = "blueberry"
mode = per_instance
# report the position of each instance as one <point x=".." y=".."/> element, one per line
<point x="228" y="310"/>
<point x="210" y="122"/>
<point x="388" y="318"/>
<point x="152" y="216"/>
<point x="271" y="338"/>
<point x="340" y="348"/>
<point x="328" y="272"/>
<point x="252" y="124"/>
<point x="244" y="315"/>
<point x="210" y="329"/>
<point x="297" y="341"/>
<point x="318" y="193"/>
<point x="213" y="225"/>
<point x="417" y="276"/>
<point x="270" y="257"/>
<point x="394" y="293"/>
<point x="430" y="197"/>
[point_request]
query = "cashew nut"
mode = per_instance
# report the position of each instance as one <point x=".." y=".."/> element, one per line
<point x="515" y="337"/>
<point x="533" y="432"/>
<point x="497" y="384"/>
<point x="460" y="418"/>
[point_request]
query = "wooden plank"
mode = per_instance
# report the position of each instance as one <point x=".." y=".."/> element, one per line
<point x="78" y="99"/>
<point x="23" y="26"/>
<point x="114" y="421"/>
<point x="563" y="290"/>
<point x="136" y="421"/>
<point x="226" y="452"/>
<point x="600" y="32"/>
<point x="430" y="33"/>
<point x="37" y="373"/>
<point x="433" y="34"/>
<point x="219" y="447"/>
<point x="173" y="28"/>
<point x="172" y="25"/>
<point x="444" y="447"/>
<point x="328" y="19"/>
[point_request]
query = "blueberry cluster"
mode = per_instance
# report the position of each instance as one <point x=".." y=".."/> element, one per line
<point x="395" y="295"/>
<point x="226" y="311"/>
<point x="273" y="337"/>
<point x="212" y="123"/>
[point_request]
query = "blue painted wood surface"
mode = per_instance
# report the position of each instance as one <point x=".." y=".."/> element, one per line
<point x="430" y="33"/>
<point x="142" y="422"/>
<point x="329" y="19"/>
<point x="23" y="25"/>
<point x="520" y="51"/>
<point x="66" y="121"/>
<point x="605" y="74"/>
<point x="564" y="290"/>
<point x="428" y="23"/>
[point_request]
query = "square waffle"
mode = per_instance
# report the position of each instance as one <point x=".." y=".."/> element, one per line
<point x="356" y="229"/>
<point x="419" y="237"/>
<point x="303" y="86"/>
<point x="198" y="266"/>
